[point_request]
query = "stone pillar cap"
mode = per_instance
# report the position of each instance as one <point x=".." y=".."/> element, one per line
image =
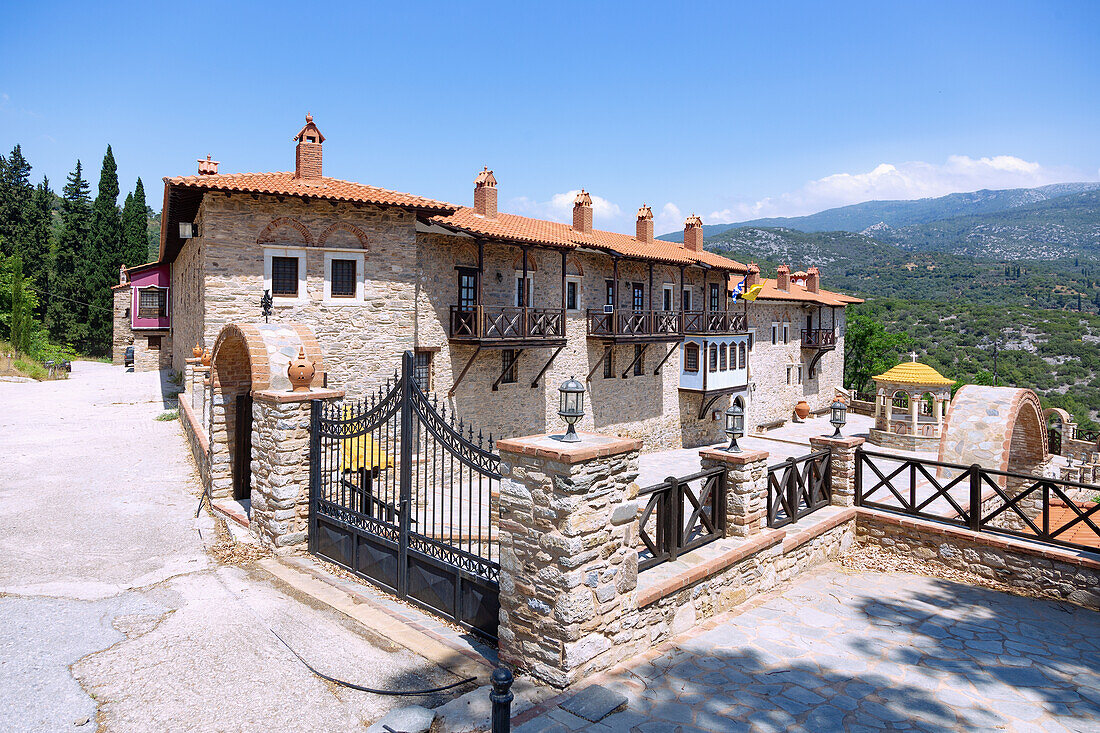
<point x="841" y="442"/>
<point x="591" y="446"/>
<point x="737" y="459"/>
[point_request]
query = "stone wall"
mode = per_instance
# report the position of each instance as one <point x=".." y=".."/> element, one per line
<point x="280" y="469"/>
<point x="122" y="334"/>
<point x="1048" y="571"/>
<point x="188" y="302"/>
<point x="148" y="359"/>
<point x="903" y="442"/>
<point x="770" y="397"/>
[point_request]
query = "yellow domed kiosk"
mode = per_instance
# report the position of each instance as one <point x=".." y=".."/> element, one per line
<point x="910" y="405"/>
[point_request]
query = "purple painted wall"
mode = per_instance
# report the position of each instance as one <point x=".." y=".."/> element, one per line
<point x="147" y="277"/>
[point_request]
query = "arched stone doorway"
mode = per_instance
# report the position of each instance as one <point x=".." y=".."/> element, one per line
<point x="1058" y="423"/>
<point x="247" y="358"/>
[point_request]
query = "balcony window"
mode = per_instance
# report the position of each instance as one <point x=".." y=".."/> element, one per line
<point x="610" y="287"/>
<point x="572" y="295"/>
<point x="715" y="297"/>
<point x="666" y="294"/>
<point x="713" y="358"/>
<point x="685" y="299"/>
<point x="637" y="296"/>
<point x="523" y="298"/>
<point x="722" y="363"/>
<point x="467" y="288"/>
<point x="152" y="302"/>
<point x="691" y="358"/>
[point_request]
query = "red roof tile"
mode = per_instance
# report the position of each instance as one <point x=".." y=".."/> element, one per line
<point x="331" y="189"/>
<point x="797" y="293"/>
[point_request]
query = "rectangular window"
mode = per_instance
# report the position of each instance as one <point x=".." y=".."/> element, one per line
<point x="715" y="297"/>
<point x="522" y="298"/>
<point x="154" y="343"/>
<point x="743" y="361"/>
<point x="343" y="278"/>
<point x="639" y="359"/>
<point x="152" y="303"/>
<point x="786" y="333"/>
<point x="691" y="358"/>
<point x="798" y="373"/>
<point x="571" y="295"/>
<point x="752" y="338"/>
<point x="667" y="293"/>
<point x="713" y="358"/>
<point x="284" y="277"/>
<point x="610" y="284"/>
<point x="508" y="358"/>
<point x="423" y="370"/>
<point x="637" y="298"/>
<point x="789" y="373"/>
<point x="723" y="365"/>
<point x="467" y="288"/>
<point x="775" y="334"/>
<point x="685" y="299"/>
<point x="609" y="364"/>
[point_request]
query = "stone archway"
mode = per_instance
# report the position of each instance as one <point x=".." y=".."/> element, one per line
<point x="996" y="427"/>
<point x="248" y="358"/>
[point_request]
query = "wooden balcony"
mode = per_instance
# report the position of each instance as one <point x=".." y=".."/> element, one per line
<point x="822" y="339"/>
<point x="507" y="326"/>
<point x="715" y="322"/>
<point x="632" y="327"/>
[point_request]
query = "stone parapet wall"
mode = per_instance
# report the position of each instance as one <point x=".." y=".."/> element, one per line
<point x="122" y="334"/>
<point x="903" y="442"/>
<point x="1045" y="570"/>
<point x="1079" y="450"/>
<point x="187" y="301"/>
<point x="197" y="440"/>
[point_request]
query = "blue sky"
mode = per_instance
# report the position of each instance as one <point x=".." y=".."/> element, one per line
<point x="730" y="110"/>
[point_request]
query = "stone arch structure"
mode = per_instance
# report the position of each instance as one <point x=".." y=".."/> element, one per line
<point x="248" y="358"/>
<point x="282" y="222"/>
<point x="466" y="255"/>
<point x="573" y="266"/>
<point x="1060" y="428"/>
<point x="348" y="227"/>
<point x="997" y="427"/>
<point x="517" y="262"/>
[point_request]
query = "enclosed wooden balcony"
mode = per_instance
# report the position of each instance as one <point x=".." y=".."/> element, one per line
<point x="507" y="326"/>
<point x="635" y="326"/>
<point x="715" y="322"/>
<point x="822" y="339"/>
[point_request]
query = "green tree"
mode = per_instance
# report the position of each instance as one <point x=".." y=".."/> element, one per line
<point x="868" y="350"/>
<point x="66" y="309"/>
<point x="36" y="250"/>
<point x="20" y="331"/>
<point x="101" y="258"/>
<point x="135" y="243"/>
<point x="15" y="199"/>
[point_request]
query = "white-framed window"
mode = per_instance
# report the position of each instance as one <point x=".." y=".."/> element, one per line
<point x="752" y="338"/>
<point x="786" y="333"/>
<point x="285" y="274"/>
<point x="790" y="374"/>
<point x="668" y="301"/>
<point x="519" y="289"/>
<point x="344" y="277"/>
<point x="685" y="299"/>
<point x="572" y="293"/>
<point x="775" y="334"/>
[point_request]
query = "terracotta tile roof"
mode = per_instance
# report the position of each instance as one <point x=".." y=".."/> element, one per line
<point x="285" y="184"/>
<point x="513" y="228"/>
<point x="797" y="293"/>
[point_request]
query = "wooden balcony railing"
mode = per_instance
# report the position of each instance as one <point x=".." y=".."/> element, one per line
<point x="632" y="325"/>
<point x="818" y="338"/>
<point x="506" y="323"/>
<point x="696" y="322"/>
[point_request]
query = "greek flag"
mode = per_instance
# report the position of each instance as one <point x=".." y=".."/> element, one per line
<point x="740" y="289"/>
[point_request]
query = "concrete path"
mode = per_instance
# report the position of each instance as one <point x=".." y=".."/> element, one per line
<point x="868" y="651"/>
<point x="112" y="613"/>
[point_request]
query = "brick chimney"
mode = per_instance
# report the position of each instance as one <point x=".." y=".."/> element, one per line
<point x="645" y="224"/>
<point x="753" y="276"/>
<point x="307" y="163"/>
<point x="693" y="233"/>
<point x="783" y="278"/>
<point x="582" y="213"/>
<point x="813" y="280"/>
<point x="208" y="167"/>
<point x="485" y="194"/>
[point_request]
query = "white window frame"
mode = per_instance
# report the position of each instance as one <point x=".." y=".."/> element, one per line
<point x="685" y="299"/>
<point x="775" y="333"/>
<point x="300" y="254"/>
<point x="668" y="292"/>
<point x="752" y="339"/>
<point x="360" y="285"/>
<point x="576" y="280"/>
<point x="530" y="288"/>
<point x="786" y="333"/>
<point x="790" y="371"/>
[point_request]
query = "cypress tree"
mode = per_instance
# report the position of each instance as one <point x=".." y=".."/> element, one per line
<point x="135" y="241"/>
<point x="36" y="252"/>
<point x="20" y="331"/>
<point x="101" y="258"/>
<point x="15" y="199"/>
<point x="66" y="310"/>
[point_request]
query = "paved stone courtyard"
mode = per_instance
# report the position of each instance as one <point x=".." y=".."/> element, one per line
<point x="865" y="651"/>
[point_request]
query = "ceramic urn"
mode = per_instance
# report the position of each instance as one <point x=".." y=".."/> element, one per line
<point x="300" y="371"/>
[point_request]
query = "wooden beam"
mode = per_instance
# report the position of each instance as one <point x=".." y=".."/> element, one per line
<point x="662" y="363"/>
<point x="545" y="367"/>
<point x="606" y="354"/>
<point x="451" y="391"/>
<point x="640" y="354"/>
<point x="504" y="370"/>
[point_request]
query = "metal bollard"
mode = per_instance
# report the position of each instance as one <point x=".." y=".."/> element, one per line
<point x="501" y="697"/>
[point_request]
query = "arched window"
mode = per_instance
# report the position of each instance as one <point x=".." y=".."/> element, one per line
<point x="691" y="358"/>
<point x="714" y="357"/>
<point x="722" y="363"/>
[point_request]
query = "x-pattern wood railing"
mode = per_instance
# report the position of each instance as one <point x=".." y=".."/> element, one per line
<point x="506" y="322"/>
<point x="715" y="322"/>
<point x="684" y="513"/>
<point x="819" y="338"/>
<point x="980" y="499"/>
<point x="798" y="487"/>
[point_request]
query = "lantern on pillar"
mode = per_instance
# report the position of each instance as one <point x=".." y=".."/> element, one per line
<point x="840" y="415"/>
<point x="735" y="425"/>
<point x="571" y="407"/>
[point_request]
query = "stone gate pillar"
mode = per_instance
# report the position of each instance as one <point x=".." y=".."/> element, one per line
<point x="843" y="460"/>
<point x="568" y="563"/>
<point x="746" y="488"/>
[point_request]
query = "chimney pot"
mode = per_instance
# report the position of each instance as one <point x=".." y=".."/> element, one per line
<point x="753" y="275"/>
<point x="485" y="194"/>
<point x="813" y="280"/>
<point x="307" y="163"/>
<point x="693" y="233"/>
<point x="208" y="167"/>
<point x="582" y="213"/>
<point x="645" y="225"/>
<point x="783" y="278"/>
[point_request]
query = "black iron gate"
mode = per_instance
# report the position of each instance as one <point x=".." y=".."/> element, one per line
<point x="404" y="495"/>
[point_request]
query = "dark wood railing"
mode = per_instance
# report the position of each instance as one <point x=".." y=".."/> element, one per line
<point x="506" y="323"/>
<point x="981" y="499"/>
<point x="680" y="515"/>
<point x="798" y="487"/>
<point x="631" y="323"/>
<point x="715" y="322"/>
<point x="818" y="338"/>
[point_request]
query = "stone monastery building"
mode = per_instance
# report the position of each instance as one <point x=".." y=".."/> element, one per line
<point x="499" y="309"/>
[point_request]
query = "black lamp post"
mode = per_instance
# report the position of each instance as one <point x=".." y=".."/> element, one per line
<point x="735" y="425"/>
<point x="571" y="407"/>
<point x="840" y="416"/>
<point x="265" y="305"/>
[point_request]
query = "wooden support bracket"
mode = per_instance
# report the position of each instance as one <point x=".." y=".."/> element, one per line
<point x="662" y="362"/>
<point x="451" y="391"/>
<point x="606" y="356"/>
<point x="542" y="371"/>
<point x="504" y="370"/>
<point x="637" y="357"/>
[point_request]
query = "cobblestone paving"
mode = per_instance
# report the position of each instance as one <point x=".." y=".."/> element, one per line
<point x="869" y="651"/>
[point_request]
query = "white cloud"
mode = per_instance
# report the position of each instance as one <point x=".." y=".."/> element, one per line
<point x="909" y="180"/>
<point x="668" y="219"/>
<point x="560" y="208"/>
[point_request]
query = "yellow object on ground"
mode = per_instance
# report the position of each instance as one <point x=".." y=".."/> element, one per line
<point x="363" y="452"/>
